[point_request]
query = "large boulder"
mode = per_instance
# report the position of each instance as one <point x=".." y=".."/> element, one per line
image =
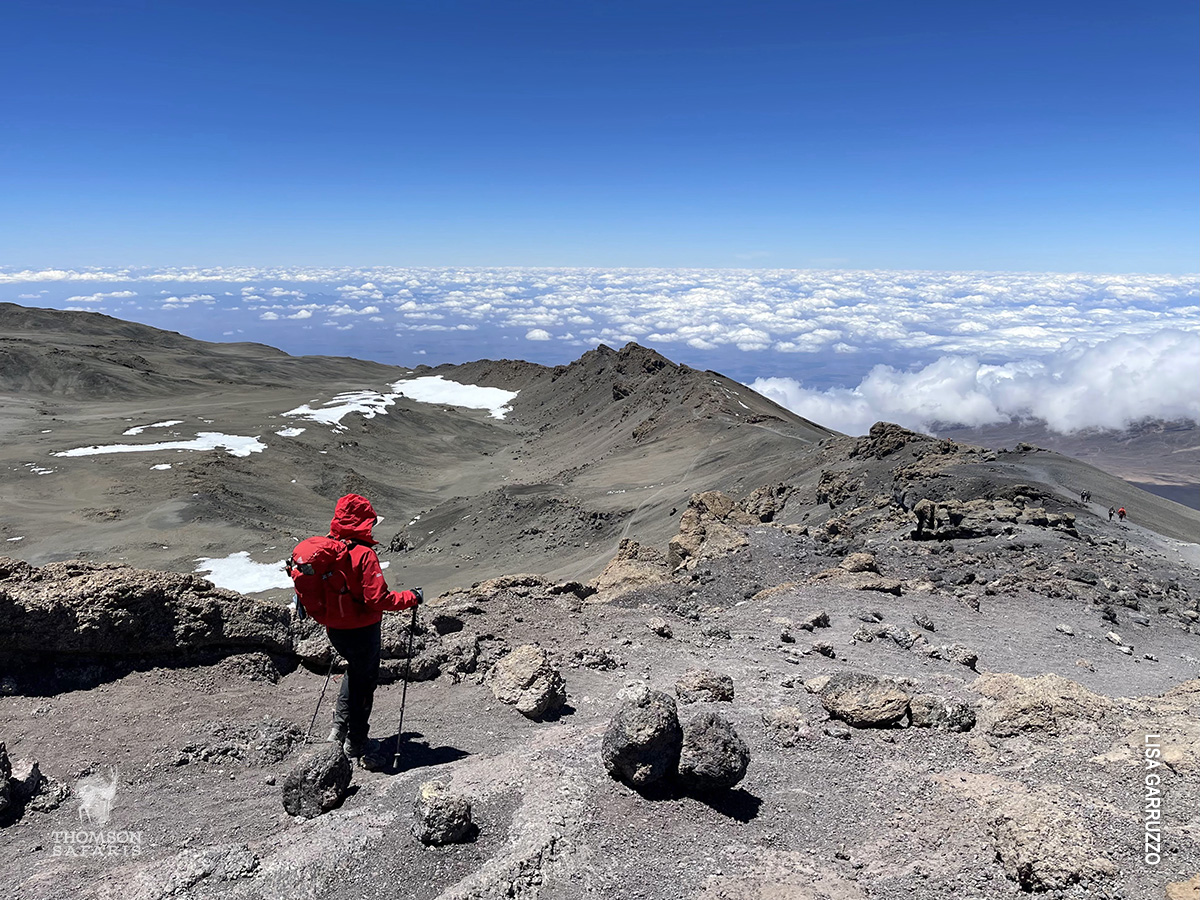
<point x="643" y="740"/>
<point x="713" y="755"/>
<point x="528" y="680"/>
<point x="318" y="782"/>
<point x="440" y="817"/>
<point x="700" y="684"/>
<point x="864" y="701"/>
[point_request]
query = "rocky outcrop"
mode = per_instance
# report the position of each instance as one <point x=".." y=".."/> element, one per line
<point x="1042" y="847"/>
<point x="635" y="565"/>
<point x="527" y="680"/>
<point x="1046" y="704"/>
<point x="106" y="611"/>
<point x="318" y="782"/>
<point x="643" y="740"/>
<point x="709" y="527"/>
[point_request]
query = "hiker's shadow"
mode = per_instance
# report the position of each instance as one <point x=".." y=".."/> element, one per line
<point x="413" y="754"/>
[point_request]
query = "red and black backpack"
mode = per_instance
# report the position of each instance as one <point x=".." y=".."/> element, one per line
<point x="320" y="571"/>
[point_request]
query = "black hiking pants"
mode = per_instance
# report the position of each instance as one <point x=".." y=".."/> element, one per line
<point x="360" y="648"/>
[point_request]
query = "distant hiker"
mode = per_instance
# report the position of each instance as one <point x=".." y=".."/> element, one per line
<point x="345" y="591"/>
<point x="1121" y="514"/>
<point x="1112" y="511"/>
<point x="1085" y="496"/>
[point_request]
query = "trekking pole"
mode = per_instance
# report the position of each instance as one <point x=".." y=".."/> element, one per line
<point x="332" y="662"/>
<point x="412" y="630"/>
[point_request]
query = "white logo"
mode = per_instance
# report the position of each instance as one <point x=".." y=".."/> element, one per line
<point x="96" y="798"/>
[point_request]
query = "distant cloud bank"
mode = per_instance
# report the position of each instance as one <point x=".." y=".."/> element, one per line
<point x="1107" y="385"/>
<point x="843" y="348"/>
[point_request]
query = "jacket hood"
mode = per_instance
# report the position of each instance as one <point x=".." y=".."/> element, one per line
<point x="353" y="517"/>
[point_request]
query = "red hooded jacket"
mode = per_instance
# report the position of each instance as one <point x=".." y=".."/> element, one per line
<point x="353" y="519"/>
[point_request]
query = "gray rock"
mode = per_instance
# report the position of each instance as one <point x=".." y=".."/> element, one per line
<point x="527" y="680"/>
<point x="643" y="740"/>
<point x="954" y="653"/>
<point x="700" y="684"/>
<point x="819" y="619"/>
<point x="440" y="817"/>
<point x="864" y="701"/>
<point x="824" y="648"/>
<point x="660" y="626"/>
<point x="6" y="799"/>
<point x="318" y="782"/>
<point x="713" y="755"/>
<point x="923" y="621"/>
<point x="1065" y="629"/>
<point x="25" y="781"/>
<point x="930" y="711"/>
<point x="860" y="562"/>
<point x="1042" y="847"/>
<point x="77" y="608"/>
<point x="787" y="725"/>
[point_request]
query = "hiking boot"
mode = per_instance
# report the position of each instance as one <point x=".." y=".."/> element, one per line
<point x="337" y="734"/>
<point x="353" y="749"/>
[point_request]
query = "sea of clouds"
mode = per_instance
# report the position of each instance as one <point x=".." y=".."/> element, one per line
<point x="842" y="348"/>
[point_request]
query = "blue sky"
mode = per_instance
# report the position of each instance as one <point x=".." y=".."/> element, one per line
<point x="1052" y="137"/>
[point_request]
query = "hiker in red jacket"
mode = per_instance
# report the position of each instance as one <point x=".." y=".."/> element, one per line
<point x="1121" y="514"/>
<point x="354" y="629"/>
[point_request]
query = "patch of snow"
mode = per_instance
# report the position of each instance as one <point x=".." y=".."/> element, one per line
<point x="140" y="428"/>
<point x="234" y="445"/>
<point x="290" y="432"/>
<point x="368" y="403"/>
<point x="436" y="389"/>
<point x="47" y="430"/>
<point x="161" y="467"/>
<point x="238" y="572"/>
<point x="38" y="470"/>
<point x="21" y="538"/>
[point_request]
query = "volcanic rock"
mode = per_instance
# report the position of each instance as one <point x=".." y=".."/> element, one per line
<point x="659" y="626"/>
<point x="707" y="528"/>
<point x="713" y="755"/>
<point x="1041" y="847"/>
<point x="6" y="792"/>
<point x="82" y="609"/>
<point x="643" y="740"/>
<point x="526" y="679"/>
<point x="440" y="817"/>
<point x="635" y="565"/>
<point x="1046" y="704"/>
<point x="931" y="711"/>
<point x="864" y="701"/>
<point x="701" y="684"/>
<point x="787" y="725"/>
<point x="318" y="782"/>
